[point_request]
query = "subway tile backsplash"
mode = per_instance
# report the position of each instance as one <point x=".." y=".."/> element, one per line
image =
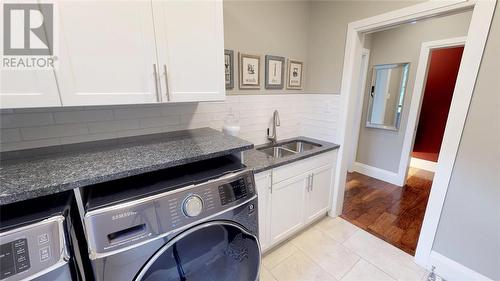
<point x="312" y="115"/>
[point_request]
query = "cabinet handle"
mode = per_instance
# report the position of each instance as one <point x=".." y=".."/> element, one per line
<point x="155" y="73"/>
<point x="312" y="182"/>
<point x="308" y="183"/>
<point x="271" y="183"/>
<point x="167" y="92"/>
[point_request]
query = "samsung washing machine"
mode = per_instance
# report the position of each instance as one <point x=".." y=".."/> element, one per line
<point x="194" y="222"/>
<point x="35" y="240"/>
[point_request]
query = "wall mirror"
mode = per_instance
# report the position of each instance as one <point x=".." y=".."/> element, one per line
<point x="386" y="95"/>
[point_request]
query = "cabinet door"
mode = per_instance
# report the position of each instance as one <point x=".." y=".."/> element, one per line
<point x="318" y="195"/>
<point x="190" y="38"/>
<point x="287" y="207"/>
<point x="263" y="184"/>
<point x="23" y="88"/>
<point x="107" y="53"/>
<point x="28" y="88"/>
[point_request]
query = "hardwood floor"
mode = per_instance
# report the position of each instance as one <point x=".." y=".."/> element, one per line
<point x="390" y="212"/>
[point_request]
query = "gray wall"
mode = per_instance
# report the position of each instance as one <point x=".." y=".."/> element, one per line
<point x="262" y="28"/>
<point x="327" y="32"/>
<point x="382" y="148"/>
<point x="469" y="228"/>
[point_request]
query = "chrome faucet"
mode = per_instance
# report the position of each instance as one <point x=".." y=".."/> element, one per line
<point x="276" y="123"/>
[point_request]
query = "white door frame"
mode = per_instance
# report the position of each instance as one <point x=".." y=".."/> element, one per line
<point x="416" y="103"/>
<point x="365" y="62"/>
<point x="451" y="137"/>
<point x="476" y="40"/>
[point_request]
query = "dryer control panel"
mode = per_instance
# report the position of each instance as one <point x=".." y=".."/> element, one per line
<point x="122" y="226"/>
<point x="33" y="249"/>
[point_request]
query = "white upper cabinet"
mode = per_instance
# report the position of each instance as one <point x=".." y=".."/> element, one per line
<point x="190" y="38"/>
<point x="28" y="88"/>
<point x="107" y="53"/>
<point x="24" y="88"/>
<point x="127" y="52"/>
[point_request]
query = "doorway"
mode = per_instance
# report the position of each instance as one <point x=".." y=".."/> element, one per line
<point x="441" y="76"/>
<point x="392" y="212"/>
<point x="474" y="47"/>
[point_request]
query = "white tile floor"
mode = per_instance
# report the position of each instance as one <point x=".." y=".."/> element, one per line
<point x="334" y="249"/>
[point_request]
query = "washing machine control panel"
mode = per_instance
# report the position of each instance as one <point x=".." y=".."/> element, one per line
<point x="31" y="249"/>
<point x="192" y="206"/>
<point x="121" y="226"/>
<point x="233" y="191"/>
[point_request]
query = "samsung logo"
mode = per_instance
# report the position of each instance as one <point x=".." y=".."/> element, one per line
<point x="123" y="215"/>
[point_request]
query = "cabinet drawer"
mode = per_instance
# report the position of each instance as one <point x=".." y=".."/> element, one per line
<point x="302" y="166"/>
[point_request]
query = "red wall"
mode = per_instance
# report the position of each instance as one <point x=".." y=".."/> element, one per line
<point x="441" y="78"/>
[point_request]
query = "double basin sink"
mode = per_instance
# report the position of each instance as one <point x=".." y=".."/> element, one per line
<point x="288" y="148"/>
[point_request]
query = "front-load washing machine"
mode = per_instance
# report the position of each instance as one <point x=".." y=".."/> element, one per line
<point x="35" y="240"/>
<point x="194" y="222"/>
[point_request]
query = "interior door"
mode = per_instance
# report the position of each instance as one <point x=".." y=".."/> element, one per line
<point x="218" y="251"/>
<point x="287" y="207"/>
<point x="190" y="38"/>
<point x="107" y="53"/>
<point x="263" y="185"/>
<point x="319" y="192"/>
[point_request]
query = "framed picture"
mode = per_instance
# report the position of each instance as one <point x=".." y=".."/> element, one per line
<point x="275" y="72"/>
<point x="294" y="75"/>
<point x="229" y="68"/>
<point x="249" y="71"/>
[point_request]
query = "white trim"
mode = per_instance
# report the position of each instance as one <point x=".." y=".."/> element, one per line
<point x="452" y="270"/>
<point x="469" y="67"/>
<point x="423" y="164"/>
<point x="471" y="59"/>
<point x="375" y="172"/>
<point x="365" y="62"/>
<point x="416" y="99"/>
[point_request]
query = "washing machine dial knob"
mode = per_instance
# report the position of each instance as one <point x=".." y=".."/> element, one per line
<point x="192" y="206"/>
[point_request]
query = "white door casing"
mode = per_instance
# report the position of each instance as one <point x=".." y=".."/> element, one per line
<point x="357" y="120"/>
<point x="417" y="98"/>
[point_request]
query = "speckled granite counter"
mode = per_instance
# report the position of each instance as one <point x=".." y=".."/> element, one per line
<point x="258" y="161"/>
<point x="38" y="172"/>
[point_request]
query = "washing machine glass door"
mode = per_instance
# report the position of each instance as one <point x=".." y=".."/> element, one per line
<point x="211" y="251"/>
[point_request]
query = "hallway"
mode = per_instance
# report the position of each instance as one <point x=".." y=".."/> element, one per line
<point x="390" y="212"/>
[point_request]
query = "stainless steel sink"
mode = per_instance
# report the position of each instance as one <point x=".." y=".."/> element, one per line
<point x="287" y="149"/>
<point x="276" y="151"/>
<point x="300" y="146"/>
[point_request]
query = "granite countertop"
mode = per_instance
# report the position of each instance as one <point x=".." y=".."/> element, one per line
<point x="259" y="161"/>
<point x="37" y="172"/>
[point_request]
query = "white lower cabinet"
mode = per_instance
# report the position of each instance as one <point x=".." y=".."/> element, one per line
<point x="287" y="200"/>
<point x="288" y="204"/>
<point x="318" y="195"/>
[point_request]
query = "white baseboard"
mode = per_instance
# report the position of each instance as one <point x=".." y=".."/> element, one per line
<point x="377" y="173"/>
<point x="452" y="270"/>
<point x="423" y="164"/>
